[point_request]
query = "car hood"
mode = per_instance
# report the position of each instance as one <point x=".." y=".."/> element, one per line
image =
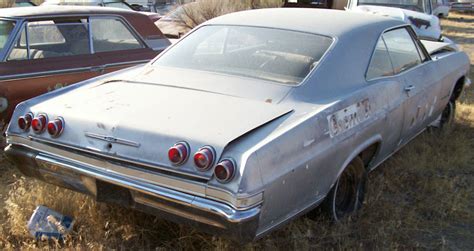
<point x="426" y="26"/>
<point x="141" y="121"/>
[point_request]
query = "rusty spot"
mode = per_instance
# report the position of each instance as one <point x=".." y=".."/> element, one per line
<point x="269" y="101"/>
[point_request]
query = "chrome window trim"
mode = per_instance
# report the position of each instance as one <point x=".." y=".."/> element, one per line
<point x="65" y="71"/>
<point x="91" y="44"/>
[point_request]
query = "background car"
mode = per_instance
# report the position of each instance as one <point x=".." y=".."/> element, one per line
<point x="441" y="8"/>
<point x="463" y="5"/>
<point x="23" y="3"/>
<point x="418" y="13"/>
<point x="65" y="45"/>
<point x="121" y="4"/>
<point x="247" y="122"/>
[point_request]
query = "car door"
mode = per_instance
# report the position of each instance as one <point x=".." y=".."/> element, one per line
<point x="117" y="44"/>
<point x="418" y="74"/>
<point x="390" y="96"/>
<point x="47" y="54"/>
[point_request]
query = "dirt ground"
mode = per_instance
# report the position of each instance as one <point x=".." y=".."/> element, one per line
<point x="422" y="197"/>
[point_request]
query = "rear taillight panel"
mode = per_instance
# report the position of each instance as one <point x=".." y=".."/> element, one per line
<point x="204" y="158"/>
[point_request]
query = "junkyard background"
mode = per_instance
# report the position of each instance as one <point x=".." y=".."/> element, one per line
<point x="422" y="197"/>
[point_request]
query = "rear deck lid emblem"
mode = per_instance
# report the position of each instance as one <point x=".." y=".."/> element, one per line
<point x="111" y="139"/>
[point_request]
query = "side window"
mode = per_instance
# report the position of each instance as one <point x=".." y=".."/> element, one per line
<point x="49" y="39"/>
<point x="402" y="50"/>
<point x="19" y="51"/>
<point x="110" y="34"/>
<point x="380" y="64"/>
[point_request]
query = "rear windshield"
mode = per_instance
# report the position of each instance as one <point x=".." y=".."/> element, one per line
<point x="6" y="28"/>
<point x="270" y="54"/>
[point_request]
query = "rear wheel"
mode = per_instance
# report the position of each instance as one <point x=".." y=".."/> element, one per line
<point x="347" y="195"/>
<point x="447" y="117"/>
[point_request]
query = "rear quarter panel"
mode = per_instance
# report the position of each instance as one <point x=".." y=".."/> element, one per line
<point x="300" y="164"/>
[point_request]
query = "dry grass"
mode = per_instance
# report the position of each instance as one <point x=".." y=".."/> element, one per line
<point x="6" y="3"/>
<point x="423" y="197"/>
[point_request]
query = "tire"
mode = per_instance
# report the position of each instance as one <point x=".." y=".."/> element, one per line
<point x="447" y="117"/>
<point x="348" y="193"/>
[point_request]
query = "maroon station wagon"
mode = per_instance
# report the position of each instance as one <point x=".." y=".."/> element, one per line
<point x="45" y="48"/>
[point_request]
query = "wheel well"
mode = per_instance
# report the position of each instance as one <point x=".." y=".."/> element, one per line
<point x="458" y="89"/>
<point x="368" y="154"/>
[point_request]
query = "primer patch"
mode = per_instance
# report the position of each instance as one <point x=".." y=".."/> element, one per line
<point x="348" y="117"/>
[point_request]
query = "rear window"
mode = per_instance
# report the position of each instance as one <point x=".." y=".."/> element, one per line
<point x="6" y="28"/>
<point x="270" y="54"/>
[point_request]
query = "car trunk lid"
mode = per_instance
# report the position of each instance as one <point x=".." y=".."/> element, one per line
<point x="140" y="121"/>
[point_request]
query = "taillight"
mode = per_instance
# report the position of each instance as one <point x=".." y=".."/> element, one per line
<point x="24" y="122"/>
<point x="225" y="170"/>
<point x="204" y="158"/>
<point x="56" y="127"/>
<point x="38" y="124"/>
<point x="178" y="154"/>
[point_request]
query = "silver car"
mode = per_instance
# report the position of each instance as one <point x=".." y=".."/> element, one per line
<point x="249" y="121"/>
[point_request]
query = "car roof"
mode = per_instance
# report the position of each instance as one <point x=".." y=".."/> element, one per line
<point x="25" y="12"/>
<point x="321" y="21"/>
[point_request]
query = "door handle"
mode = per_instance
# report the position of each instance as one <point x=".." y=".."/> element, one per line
<point x="409" y="88"/>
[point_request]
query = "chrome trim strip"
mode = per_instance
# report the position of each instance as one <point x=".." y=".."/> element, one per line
<point x="91" y="43"/>
<point x="230" y="214"/>
<point x="101" y="154"/>
<point x="111" y="139"/>
<point x="66" y="71"/>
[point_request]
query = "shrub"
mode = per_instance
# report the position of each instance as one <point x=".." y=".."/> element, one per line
<point x="200" y="11"/>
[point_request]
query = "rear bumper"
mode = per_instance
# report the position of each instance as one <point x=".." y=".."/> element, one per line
<point x="203" y="213"/>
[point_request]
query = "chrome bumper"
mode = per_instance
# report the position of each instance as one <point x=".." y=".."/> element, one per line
<point x="205" y="214"/>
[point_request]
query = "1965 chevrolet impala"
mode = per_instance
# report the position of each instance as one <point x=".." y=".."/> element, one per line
<point x="250" y="120"/>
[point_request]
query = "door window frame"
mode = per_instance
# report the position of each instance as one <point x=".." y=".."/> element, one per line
<point x="419" y="46"/>
<point x="23" y="24"/>
<point x="130" y="28"/>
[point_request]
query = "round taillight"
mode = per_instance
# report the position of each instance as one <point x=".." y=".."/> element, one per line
<point x="225" y="170"/>
<point x="24" y="122"/>
<point x="56" y="127"/>
<point x="204" y="158"/>
<point x="178" y="154"/>
<point x="38" y="124"/>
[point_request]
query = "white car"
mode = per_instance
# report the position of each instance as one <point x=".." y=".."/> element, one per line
<point x="418" y="13"/>
<point x="441" y="8"/>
